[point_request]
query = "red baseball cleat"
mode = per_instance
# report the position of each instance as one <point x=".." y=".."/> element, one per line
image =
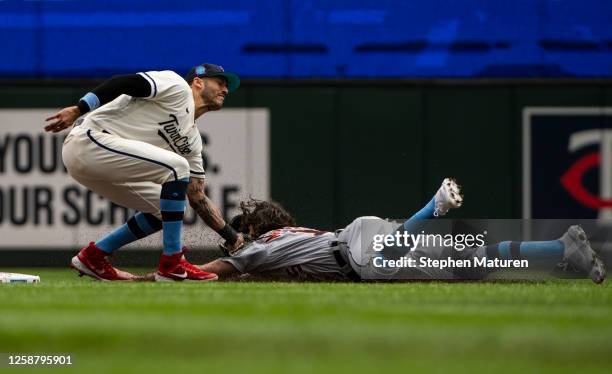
<point x="93" y="261"/>
<point x="176" y="268"/>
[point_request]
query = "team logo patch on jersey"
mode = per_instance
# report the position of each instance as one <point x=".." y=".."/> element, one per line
<point x="171" y="134"/>
<point x="567" y="163"/>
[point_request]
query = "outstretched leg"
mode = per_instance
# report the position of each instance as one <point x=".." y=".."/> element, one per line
<point x="447" y="197"/>
<point x="573" y="248"/>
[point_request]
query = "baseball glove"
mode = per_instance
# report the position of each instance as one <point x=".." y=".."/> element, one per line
<point x="237" y="224"/>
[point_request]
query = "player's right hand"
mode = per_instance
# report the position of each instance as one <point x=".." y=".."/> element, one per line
<point x="63" y="119"/>
<point x="233" y="248"/>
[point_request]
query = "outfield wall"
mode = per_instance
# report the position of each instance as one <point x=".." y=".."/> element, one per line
<point x="343" y="149"/>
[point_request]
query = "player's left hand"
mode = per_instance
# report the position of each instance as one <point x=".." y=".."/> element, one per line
<point x="63" y="119"/>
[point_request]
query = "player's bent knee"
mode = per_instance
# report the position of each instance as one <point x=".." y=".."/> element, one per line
<point x="361" y="220"/>
<point x="73" y="166"/>
<point x="180" y="169"/>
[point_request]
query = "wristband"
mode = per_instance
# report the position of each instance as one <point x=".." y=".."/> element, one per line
<point x="228" y="233"/>
<point x="91" y="100"/>
<point x="83" y="107"/>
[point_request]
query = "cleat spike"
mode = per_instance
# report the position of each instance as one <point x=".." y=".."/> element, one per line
<point x="449" y="196"/>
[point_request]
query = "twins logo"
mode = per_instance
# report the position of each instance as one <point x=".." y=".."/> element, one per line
<point x="567" y="163"/>
<point x="572" y="180"/>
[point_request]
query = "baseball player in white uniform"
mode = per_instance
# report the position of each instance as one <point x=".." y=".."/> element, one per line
<point x="281" y="251"/>
<point x="135" y="142"/>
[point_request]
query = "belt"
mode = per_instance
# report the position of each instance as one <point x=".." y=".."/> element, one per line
<point x="345" y="267"/>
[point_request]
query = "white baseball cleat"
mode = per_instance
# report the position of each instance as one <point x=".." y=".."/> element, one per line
<point x="579" y="254"/>
<point x="449" y="196"/>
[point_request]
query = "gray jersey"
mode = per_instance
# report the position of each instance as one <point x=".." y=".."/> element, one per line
<point x="288" y="250"/>
<point x="278" y="251"/>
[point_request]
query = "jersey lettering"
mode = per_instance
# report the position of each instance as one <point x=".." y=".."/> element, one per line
<point x="275" y="234"/>
<point x="171" y="130"/>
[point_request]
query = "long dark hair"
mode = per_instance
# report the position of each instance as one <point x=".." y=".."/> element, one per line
<point x="264" y="216"/>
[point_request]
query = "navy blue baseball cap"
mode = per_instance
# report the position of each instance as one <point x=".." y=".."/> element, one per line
<point x="212" y="70"/>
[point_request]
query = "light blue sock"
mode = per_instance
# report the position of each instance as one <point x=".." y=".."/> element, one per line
<point x="427" y="212"/>
<point x="172" y="237"/>
<point x="116" y="239"/>
<point x="137" y="227"/>
<point x="552" y="249"/>
<point x="172" y="206"/>
<point x="411" y="225"/>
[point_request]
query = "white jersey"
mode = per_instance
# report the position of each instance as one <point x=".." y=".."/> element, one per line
<point x="164" y="119"/>
<point x="287" y="249"/>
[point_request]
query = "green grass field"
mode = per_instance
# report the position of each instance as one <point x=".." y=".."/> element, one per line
<point x="561" y="326"/>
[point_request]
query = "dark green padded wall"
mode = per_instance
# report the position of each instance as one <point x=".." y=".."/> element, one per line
<point x="303" y="141"/>
<point x="379" y="154"/>
<point x="469" y="136"/>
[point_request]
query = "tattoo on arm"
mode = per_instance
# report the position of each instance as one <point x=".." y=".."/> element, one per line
<point x="203" y="206"/>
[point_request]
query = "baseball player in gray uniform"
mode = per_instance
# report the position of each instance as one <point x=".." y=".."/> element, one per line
<point x="135" y="142"/>
<point x="282" y="251"/>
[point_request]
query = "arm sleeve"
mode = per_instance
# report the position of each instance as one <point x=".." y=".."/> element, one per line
<point x="252" y="258"/>
<point x="134" y="85"/>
